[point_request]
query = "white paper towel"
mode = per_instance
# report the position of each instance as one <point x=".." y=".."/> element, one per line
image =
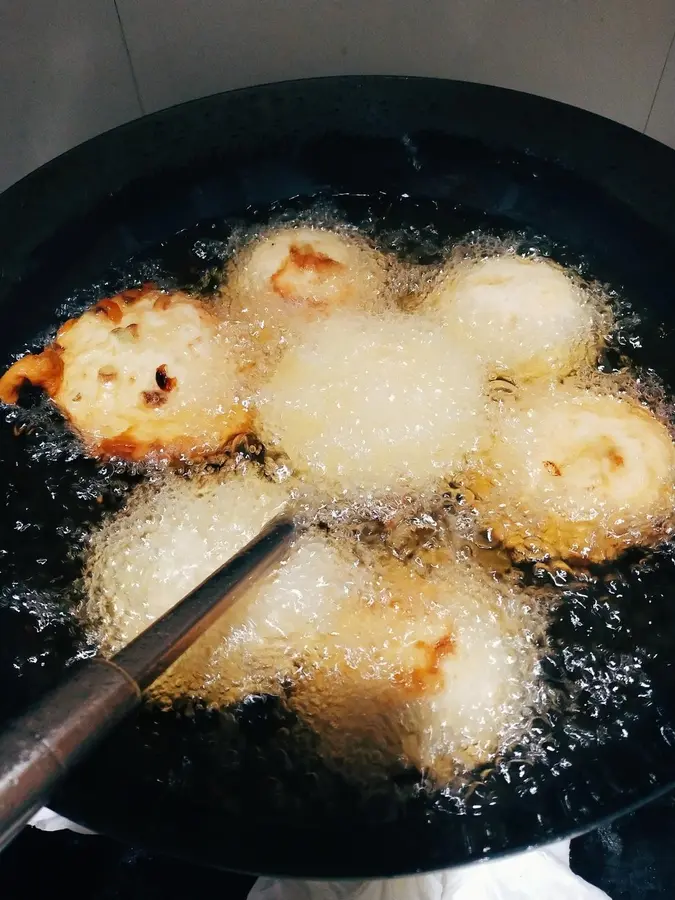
<point x="543" y="874"/>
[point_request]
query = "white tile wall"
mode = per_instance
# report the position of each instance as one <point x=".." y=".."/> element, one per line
<point x="64" y="76"/>
<point x="661" y="123"/>
<point x="65" y="73"/>
<point x="605" y="55"/>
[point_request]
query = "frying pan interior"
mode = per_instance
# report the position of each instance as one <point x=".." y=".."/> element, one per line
<point x="416" y="162"/>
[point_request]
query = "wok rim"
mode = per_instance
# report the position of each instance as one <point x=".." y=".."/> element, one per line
<point x="173" y="848"/>
<point x="657" y="159"/>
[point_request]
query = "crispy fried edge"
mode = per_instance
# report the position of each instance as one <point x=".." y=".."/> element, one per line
<point x="46" y="370"/>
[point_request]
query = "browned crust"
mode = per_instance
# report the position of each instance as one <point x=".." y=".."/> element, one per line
<point x="549" y="537"/>
<point x="133" y="294"/>
<point x="126" y="446"/>
<point x="558" y="540"/>
<point x="303" y="257"/>
<point x="107" y="374"/>
<point x="113" y="307"/>
<point x="553" y="538"/>
<point x="428" y="675"/>
<point x="43" y="370"/>
<point x="164" y="381"/>
<point x="162" y="302"/>
<point x="154" y="399"/>
<point x="64" y="329"/>
<point x="552" y="468"/>
<point x="110" y="308"/>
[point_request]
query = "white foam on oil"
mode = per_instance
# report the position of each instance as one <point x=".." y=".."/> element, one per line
<point x="374" y="404"/>
<point x="578" y="470"/>
<point x="437" y="672"/>
<point x="525" y="317"/>
<point x="257" y="645"/>
<point x="162" y="374"/>
<point x="282" y="277"/>
<point x="387" y="667"/>
<point x="173" y="533"/>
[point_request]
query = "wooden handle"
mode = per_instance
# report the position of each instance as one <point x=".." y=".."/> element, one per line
<point x="42" y="746"/>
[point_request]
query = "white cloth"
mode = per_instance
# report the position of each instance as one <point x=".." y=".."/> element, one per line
<point x="46" y="820"/>
<point x="542" y="874"/>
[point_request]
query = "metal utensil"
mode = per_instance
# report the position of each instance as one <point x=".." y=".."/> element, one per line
<point x="41" y="747"/>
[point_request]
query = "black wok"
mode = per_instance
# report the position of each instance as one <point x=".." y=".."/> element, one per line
<point x="229" y="790"/>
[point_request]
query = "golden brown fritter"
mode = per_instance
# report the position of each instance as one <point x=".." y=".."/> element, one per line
<point x="142" y="373"/>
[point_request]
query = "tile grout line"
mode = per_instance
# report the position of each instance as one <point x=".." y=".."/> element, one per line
<point x="658" y="83"/>
<point x="134" y="79"/>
